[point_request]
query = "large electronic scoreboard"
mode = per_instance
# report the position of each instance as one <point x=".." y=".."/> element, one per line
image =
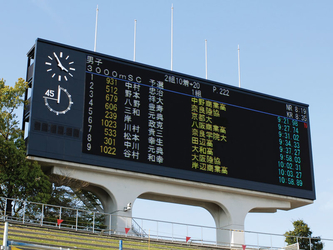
<point x="96" y="109"/>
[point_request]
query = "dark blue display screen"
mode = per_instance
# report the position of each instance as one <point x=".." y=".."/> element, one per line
<point x="104" y="111"/>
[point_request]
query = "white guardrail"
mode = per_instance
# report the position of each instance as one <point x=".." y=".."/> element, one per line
<point x="46" y="215"/>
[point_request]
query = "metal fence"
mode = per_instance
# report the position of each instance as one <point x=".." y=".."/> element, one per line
<point x="96" y="222"/>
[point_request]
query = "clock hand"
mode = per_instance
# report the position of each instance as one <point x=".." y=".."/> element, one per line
<point x="55" y="55"/>
<point x="58" y="99"/>
<point x="59" y="63"/>
<point x="64" y="69"/>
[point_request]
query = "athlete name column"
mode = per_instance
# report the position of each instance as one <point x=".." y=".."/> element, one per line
<point x="132" y="115"/>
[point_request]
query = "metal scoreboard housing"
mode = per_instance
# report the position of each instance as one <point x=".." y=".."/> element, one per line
<point x="90" y="108"/>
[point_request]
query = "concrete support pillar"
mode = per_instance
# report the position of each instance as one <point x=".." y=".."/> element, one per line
<point x="121" y="214"/>
<point x="114" y="194"/>
<point x="228" y="230"/>
<point x="229" y="219"/>
<point x="118" y="205"/>
<point x="230" y="212"/>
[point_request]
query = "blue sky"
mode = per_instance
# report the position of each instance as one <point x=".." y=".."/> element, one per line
<point x="285" y="51"/>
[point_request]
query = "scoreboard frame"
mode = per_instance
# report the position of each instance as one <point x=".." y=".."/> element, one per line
<point x="85" y="106"/>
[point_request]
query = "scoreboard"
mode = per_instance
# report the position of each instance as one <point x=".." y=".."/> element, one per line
<point x="96" y="109"/>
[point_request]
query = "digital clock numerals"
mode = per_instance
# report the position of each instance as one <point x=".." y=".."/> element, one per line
<point x="289" y="163"/>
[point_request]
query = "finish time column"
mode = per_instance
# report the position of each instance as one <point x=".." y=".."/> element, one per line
<point x="290" y="157"/>
<point x="286" y="162"/>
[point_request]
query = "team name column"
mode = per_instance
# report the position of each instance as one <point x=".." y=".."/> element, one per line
<point x="205" y="133"/>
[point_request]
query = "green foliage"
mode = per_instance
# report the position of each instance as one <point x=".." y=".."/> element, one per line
<point x="19" y="178"/>
<point x="10" y="100"/>
<point x="68" y="197"/>
<point x="301" y="234"/>
<point x="25" y="180"/>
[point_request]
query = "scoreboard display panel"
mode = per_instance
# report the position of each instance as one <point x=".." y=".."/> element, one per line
<point x="96" y="109"/>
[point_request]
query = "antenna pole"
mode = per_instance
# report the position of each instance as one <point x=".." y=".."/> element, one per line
<point x="96" y="29"/>
<point x="239" y="79"/>
<point x="206" y="63"/>
<point x="134" y="40"/>
<point x="172" y="37"/>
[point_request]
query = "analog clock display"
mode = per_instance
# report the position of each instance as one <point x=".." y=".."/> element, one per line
<point x="58" y="101"/>
<point x="61" y="67"/>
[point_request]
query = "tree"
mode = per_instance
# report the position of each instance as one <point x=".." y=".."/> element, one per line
<point x="19" y="178"/>
<point x="302" y="234"/>
<point x="72" y="193"/>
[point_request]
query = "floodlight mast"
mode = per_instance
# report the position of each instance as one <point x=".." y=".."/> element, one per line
<point x="206" y="58"/>
<point x="172" y="37"/>
<point x="134" y="53"/>
<point x="239" y="80"/>
<point x="95" y="44"/>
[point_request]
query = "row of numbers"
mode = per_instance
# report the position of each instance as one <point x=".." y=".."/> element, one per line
<point x="289" y="163"/>
<point x="109" y="121"/>
<point x="90" y="89"/>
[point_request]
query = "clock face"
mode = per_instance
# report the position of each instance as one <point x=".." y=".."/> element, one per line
<point x="61" y="67"/>
<point x="58" y="101"/>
